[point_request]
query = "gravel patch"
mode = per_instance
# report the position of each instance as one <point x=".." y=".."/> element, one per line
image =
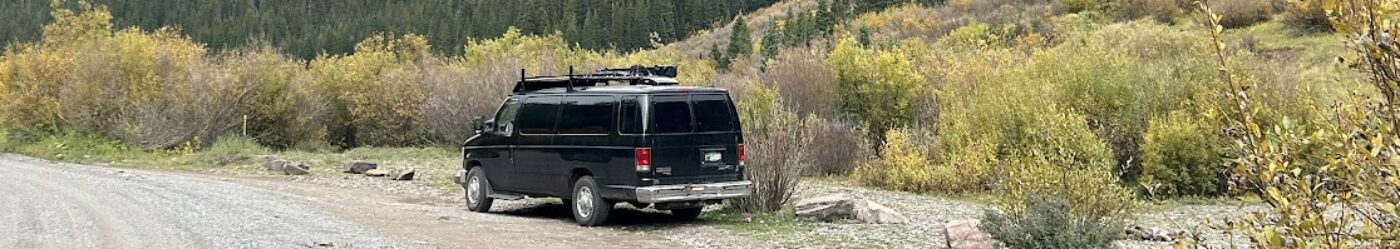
<point x="1207" y="220"/>
<point x="927" y="216"/>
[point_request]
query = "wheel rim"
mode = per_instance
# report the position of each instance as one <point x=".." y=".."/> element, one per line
<point x="583" y="202"/>
<point x="473" y="190"/>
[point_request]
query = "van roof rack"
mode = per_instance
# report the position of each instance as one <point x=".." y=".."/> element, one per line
<point x="658" y="75"/>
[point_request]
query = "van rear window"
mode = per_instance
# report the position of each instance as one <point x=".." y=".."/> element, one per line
<point x="712" y="113"/>
<point x="692" y="113"/>
<point x="671" y="113"/>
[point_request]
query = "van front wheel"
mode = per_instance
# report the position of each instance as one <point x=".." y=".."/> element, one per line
<point x="589" y="207"/>
<point x="478" y="190"/>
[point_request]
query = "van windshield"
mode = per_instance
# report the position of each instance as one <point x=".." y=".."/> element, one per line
<point x="692" y="113"/>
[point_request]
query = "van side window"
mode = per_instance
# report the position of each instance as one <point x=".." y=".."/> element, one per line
<point x="505" y="118"/>
<point x="539" y="115"/>
<point x="712" y="113"/>
<point x="629" y="116"/>
<point x="671" y="113"/>
<point x="588" y="115"/>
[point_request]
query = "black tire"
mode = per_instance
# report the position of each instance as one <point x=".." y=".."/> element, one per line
<point x="480" y="199"/>
<point x="687" y="213"/>
<point x="589" y="207"/>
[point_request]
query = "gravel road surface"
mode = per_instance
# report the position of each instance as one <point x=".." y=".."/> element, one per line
<point x="48" y="205"/>
<point x="58" y="205"/>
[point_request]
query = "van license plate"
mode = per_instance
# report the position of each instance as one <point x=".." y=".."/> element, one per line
<point x="713" y="157"/>
<point x="698" y="188"/>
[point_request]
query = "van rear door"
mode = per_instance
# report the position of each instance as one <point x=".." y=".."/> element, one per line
<point x="695" y="138"/>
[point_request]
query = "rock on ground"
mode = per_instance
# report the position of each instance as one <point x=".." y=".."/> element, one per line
<point x="296" y="168"/>
<point x="828" y="208"/>
<point x="377" y="172"/>
<point x="966" y="234"/>
<point x="403" y="174"/>
<point x="275" y="164"/>
<point x="359" y="167"/>
<point x="835" y="207"/>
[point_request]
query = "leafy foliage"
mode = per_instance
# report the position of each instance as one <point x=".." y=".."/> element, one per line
<point x="903" y="165"/>
<point x="1182" y="157"/>
<point x="878" y="87"/>
<point x="1048" y="223"/>
<point x="1343" y="201"/>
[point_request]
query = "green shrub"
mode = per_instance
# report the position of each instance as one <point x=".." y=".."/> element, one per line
<point x="1242" y="13"/>
<point x="1048" y="223"/>
<point x="1182" y="157"/>
<point x="877" y="87"/>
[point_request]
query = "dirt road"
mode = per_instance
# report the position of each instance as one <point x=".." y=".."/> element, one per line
<point x="53" y="205"/>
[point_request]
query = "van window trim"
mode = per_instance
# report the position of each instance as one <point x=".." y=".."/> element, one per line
<point x="563" y="102"/>
<point x="641" y="112"/>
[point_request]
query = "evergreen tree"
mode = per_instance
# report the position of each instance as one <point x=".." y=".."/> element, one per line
<point x="740" y="41"/>
<point x="717" y="55"/>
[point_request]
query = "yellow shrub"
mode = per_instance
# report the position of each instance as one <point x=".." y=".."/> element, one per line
<point x="903" y="165"/>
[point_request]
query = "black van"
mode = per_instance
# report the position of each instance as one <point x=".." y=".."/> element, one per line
<point x="619" y="135"/>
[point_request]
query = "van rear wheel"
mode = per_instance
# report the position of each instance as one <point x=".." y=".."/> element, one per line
<point x="478" y="190"/>
<point x="589" y="207"/>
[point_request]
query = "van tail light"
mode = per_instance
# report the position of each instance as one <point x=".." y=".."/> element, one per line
<point x="643" y="156"/>
<point x="742" y="156"/>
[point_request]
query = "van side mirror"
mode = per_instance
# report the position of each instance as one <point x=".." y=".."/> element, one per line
<point x="478" y="123"/>
<point x="489" y="126"/>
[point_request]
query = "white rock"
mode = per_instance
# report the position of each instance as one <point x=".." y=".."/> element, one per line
<point x="835" y="207"/>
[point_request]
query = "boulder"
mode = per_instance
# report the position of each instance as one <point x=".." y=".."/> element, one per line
<point x="275" y="164"/>
<point x="359" y="167"/>
<point x="296" y="168"/>
<point x="966" y="234"/>
<point x="874" y="213"/>
<point x="377" y="172"/>
<point x="836" y="207"/>
<point x="402" y="174"/>
<point x="828" y="208"/>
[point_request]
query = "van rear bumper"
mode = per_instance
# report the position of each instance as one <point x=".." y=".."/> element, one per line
<point x="694" y="192"/>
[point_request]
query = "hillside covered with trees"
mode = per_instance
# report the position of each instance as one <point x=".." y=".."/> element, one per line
<point x="307" y="28"/>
